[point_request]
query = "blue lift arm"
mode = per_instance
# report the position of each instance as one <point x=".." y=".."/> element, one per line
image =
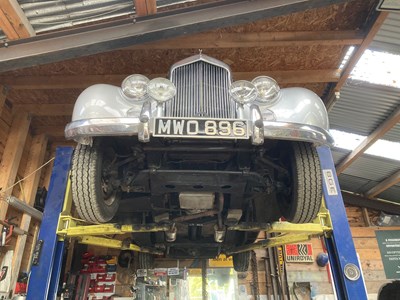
<point x="48" y="255"/>
<point x="346" y="271"/>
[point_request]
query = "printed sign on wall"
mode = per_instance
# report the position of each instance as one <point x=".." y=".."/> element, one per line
<point x="299" y="253"/>
<point x="389" y="246"/>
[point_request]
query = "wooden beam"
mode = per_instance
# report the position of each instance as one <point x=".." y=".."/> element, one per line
<point x="391" y="121"/>
<point x="2" y="98"/>
<point x="364" y="212"/>
<point x="356" y="56"/>
<point x="83" y="81"/>
<point x="13" y="21"/>
<point x="258" y="39"/>
<point x="51" y="131"/>
<point x="384" y="185"/>
<point x="41" y="110"/>
<point x="12" y="157"/>
<point x="376" y="204"/>
<point x="145" y="7"/>
<point x="30" y="185"/>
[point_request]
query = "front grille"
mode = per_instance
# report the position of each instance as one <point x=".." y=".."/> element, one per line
<point x="202" y="91"/>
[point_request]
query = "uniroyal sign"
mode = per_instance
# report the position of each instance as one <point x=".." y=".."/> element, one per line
<point x="299" y="253"/>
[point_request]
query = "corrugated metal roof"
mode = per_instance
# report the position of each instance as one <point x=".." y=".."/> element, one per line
<point x="59" y="14"/>
<point x="388" y="37"/>
<point x="393" y="134"/>
<point x="52" y="15"/>
<point x="372" y="167"/>
<point x="352" y="183"/>
<point x="362" y="107"/>
<point x="339" y="154"/>
<point x="392" y="194"/>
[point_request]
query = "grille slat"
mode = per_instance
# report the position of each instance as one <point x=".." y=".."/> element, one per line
<point x="202" y="91"/>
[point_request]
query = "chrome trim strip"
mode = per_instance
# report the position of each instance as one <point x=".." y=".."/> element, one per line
<point x="132" y="126"/>
<point x="297" y="132"/>
<point x="103" y="127"/>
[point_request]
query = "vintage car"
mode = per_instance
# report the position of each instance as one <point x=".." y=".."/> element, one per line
<point x="197" y="153"/>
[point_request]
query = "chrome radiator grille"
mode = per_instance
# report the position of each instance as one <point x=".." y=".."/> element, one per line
<point x="202" y="91"/>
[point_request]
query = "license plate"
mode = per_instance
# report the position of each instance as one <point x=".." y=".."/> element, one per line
<point x="201" y="128"/>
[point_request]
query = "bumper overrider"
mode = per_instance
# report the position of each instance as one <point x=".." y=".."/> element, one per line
<point x="83" y="131"/>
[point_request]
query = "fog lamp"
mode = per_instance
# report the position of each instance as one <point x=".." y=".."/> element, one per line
<point x="243" y="91"/>
<point x="161" y="89"/>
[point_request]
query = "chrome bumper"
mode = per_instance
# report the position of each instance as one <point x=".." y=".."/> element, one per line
<point x="83" y="130"/>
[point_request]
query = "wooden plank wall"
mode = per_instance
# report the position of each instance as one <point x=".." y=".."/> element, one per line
<point x="319" y="278"/>
<point x="27" y="158"/>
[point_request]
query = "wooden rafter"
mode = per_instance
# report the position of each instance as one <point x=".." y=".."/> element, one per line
<point x="145" y="7"/>
<point x="13" y="21"/>
<point x="384" y="185"/>
<point x="372" y="138"/>
<point x="258" y="39"/>
<point x="376" y="204"/>
<point x="42" y="110"/>
<point x="83" y="81"/>
<point x="356" y="57"/>
<point x="51" y="131"/>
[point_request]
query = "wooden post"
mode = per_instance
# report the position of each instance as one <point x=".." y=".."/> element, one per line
<point x="30" y="185"/>
<point x="12" y="157"/>
<point x="2" y="98"/>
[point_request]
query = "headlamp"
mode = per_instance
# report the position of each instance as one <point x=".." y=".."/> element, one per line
<point x="135" y="86"/>
<point x="268" y="89"/>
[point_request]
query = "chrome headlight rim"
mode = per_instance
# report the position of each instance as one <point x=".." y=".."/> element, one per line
<point x="161" y="89"/>
<point x="134" y="87"/>
<point x="268" y="90"/>
<point x="243" y="92"/>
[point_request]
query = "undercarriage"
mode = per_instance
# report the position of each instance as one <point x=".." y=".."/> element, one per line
<point x="198" y="189"/>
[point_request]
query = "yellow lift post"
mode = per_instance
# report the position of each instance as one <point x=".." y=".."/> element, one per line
<point x="99" y="235"/>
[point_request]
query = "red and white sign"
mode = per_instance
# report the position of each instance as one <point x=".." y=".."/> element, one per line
<point x="299" y="253"/>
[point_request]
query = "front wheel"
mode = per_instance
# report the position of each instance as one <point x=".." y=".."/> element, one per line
<point x="303" y="201"/>
<point x="92" y="192"/>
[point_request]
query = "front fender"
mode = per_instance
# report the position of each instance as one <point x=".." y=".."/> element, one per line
<point x="301" y="106"/>
<point x="102" y="101"/>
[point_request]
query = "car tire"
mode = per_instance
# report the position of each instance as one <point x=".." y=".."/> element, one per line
<point x="304" y="201"/>
<point x="241" y="261"/>
<point x="86" y="183"/>
<point x="145" y="260"/>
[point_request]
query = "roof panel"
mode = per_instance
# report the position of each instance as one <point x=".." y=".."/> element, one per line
<point x="392" y="194"/>
<point x="352" y="183"/>
<point x="339" y="154"/>
<point x="363" y="106"/>
<point x="388" y="37"/>
<point x="372" y="167"/>
<point x="393" y="134"/>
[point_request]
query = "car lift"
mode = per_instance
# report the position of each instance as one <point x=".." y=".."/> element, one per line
<point x="58" y="224"/>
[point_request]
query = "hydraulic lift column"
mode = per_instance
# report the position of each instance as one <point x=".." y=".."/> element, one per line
<point x="346" y="271"/>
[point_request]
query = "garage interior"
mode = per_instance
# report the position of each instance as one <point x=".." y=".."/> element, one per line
<point x="345" y="51"/>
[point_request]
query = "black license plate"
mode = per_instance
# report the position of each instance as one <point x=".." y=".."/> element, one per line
<point x="201" y="128"/>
